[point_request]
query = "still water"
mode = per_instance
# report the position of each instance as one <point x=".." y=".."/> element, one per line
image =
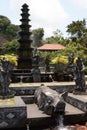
<point x="59" y="126"/>
<point x="52" y="128"/>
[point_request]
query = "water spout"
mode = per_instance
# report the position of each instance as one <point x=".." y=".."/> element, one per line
<point x="60" y="124"/>
<point x="27" y="125"/>
<point x="61" y="121"/>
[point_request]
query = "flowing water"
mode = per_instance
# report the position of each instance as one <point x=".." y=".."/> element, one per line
<point x="60" y="124"/>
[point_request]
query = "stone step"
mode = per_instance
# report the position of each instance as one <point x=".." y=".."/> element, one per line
<point x="79" y="101"/>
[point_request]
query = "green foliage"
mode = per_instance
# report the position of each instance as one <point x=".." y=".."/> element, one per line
<point x="86" y="70"/>
<point x="10" y="47"/>
<point x="83" y="41"/>
<point x="75" y="48"/>
<point x="4" y="22"/>
<point x="37" y="36"/>
<point x="56" y="38"/>
<point x="62" y="55"/>
<point x="77" y="29"/>
<point x="11" y="31"/>
<point x="60" y="60"/>
<point x="12" y="58"/>
<point x="8" y="30"/>
<point x="78" y="44"/>
<point x="52" y="55"/>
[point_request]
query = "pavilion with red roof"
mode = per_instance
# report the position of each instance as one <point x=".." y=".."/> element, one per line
<point x="51" y="47"/>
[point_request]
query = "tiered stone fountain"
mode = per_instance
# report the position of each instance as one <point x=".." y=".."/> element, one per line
<point x="25" y="50"/>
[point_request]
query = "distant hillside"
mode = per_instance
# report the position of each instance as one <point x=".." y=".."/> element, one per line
<point x="8" y="31"/>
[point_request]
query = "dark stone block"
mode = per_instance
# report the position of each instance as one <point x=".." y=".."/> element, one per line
<point x="49" y="100"/>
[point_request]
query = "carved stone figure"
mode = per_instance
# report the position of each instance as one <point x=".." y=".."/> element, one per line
<point x="36" y="74"/>
<point x="36" y="71"/>
<point x="47" y="65"/>
<point x="36" y="58"/>
<point x="5" y="78"/>
<point x="49" y="100"/>
<point x="71" y="65"/>
<point x="4" y="74"/>
<point x="80" y="76"/>
<point x="77" y="71"/>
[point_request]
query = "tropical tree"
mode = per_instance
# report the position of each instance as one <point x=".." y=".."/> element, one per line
<point x="77" y="29"/>
<point x="78" y="32"/>
<point x="4" y="22"/>
<point x="10" y="47"/>
<point x="11" y="31"/>
<point x="8" y="30"/>
<point x="37" y="36"/>
<point x="56" y="38"/>
<point x="58" y="35"/>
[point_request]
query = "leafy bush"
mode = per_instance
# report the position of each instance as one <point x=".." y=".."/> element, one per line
<point x="12" y="58"/>
<point x="60" y="59"/>
<point x="11" y="47"/>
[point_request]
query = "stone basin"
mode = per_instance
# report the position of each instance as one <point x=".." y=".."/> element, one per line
<point x="21" y="110"/>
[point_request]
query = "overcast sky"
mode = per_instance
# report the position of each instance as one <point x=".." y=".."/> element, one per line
<point x="48" y="14"/>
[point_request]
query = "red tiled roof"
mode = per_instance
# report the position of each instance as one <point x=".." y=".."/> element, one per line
<point x="51" y="47"/>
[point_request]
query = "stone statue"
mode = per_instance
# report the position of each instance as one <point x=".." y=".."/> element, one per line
<point x="49" y="100"/>
<point x="5" y="79"/>
<point x="77" y="71"/>
<point x="71" y="65"/>
<point x="36" y="74"/>
<point x="36" y="58"/>
<point x="47" y="65"/>
<point x="80" y="76"/>
<point x="36" y="71"/>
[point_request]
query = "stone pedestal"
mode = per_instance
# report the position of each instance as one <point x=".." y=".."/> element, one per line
<point x="13" y="113"/>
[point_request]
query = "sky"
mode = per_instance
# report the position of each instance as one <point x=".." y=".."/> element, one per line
<point x="48" y="14"/>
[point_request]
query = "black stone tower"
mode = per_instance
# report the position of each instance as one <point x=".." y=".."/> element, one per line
<point x="25" y="50"/>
